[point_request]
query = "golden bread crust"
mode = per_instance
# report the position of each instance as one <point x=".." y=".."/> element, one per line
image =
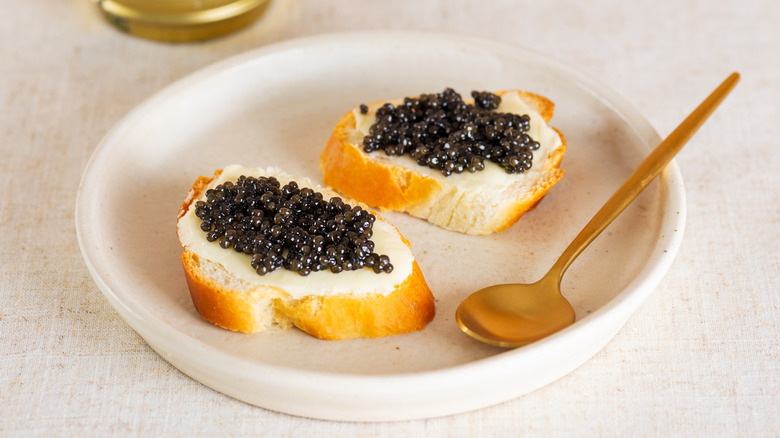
<point x="352" y="172"/>
<point x="230" y="309"/>
<point x="349" y="170"/>
<point x="408" y="308"/>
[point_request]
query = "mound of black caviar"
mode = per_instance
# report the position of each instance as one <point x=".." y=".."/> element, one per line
<point x="442" y="132"/>
<point x="289" y="227"/>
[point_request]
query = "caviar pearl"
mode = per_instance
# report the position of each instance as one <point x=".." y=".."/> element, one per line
<point x="444" y="133"/>
<point x="289" y="227"/>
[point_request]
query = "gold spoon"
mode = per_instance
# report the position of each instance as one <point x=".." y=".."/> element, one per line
<point x="512" y="315"/>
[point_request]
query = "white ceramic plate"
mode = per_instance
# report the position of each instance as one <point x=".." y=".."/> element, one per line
<point x="276" y="106"/>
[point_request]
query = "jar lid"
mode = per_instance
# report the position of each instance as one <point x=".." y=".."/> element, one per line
<point x="181" y="20"/>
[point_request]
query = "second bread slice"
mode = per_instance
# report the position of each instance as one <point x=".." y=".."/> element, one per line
<point x="473" y="203"/>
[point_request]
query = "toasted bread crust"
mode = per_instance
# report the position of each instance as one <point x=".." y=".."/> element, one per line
<point x="409" y="307"/>
<point x="225" y="307"/>
<point x="353" y="173"/>
<point x="349" y="170"/>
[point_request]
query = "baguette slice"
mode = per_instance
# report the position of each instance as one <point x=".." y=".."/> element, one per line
<point x="227" y="292"/>
<point x="479" y="203"/>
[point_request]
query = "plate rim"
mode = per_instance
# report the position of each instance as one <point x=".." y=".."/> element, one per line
<point x="144" y="322"/>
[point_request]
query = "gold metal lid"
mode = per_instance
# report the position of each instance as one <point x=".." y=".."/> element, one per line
<point x="181" y="20"/>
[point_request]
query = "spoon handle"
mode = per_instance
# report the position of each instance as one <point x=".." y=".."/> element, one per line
<point x="643" y="175"/>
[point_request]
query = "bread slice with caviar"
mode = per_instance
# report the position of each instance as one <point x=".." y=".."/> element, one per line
<point x="473" y="166"/>
<point x="263" y="250"/>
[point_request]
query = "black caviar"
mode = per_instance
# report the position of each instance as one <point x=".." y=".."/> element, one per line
<point x="289" y="227"/>
<point x="442" y="132"/>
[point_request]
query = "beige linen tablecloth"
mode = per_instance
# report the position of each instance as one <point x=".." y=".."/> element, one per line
<point x="699" y="358"/>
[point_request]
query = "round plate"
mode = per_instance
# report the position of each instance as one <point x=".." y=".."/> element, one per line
<point x="276" y="106"/>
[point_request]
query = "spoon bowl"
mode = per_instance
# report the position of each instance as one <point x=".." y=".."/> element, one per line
<point x="496" y="316"/>
<point x="513" y="315"/>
